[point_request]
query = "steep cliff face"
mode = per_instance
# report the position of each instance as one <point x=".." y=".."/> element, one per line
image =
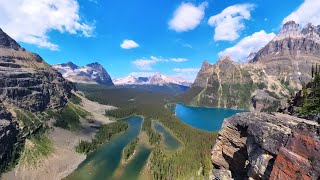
<point x="9" y="137"/>
<point x="229" y="84"/>
<point x="260" y="146"/>
<point x="28" y="83"/>
<point x="291" y="53"/>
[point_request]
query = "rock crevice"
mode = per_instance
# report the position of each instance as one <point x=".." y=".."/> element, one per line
<point x="260" y="146"/>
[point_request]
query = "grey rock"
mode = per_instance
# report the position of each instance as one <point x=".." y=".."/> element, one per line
<point x="9" y="137"/>
<point x="221" y="174"/>
<point x="7" y="41"/>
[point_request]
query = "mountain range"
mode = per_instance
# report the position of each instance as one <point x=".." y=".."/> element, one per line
<point x="156" y="82"/>
<point x="29" y="87"/>
<point x="93" y="73"/>
<point x="156" y="79"/>
<point x="272" y="75"/>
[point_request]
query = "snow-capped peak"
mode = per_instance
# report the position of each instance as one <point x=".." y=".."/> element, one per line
<point x="156" y="79"/>
<point x="91" y="73"/>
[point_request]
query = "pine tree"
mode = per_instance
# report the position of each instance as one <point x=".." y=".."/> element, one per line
<point x="311" y="96"/>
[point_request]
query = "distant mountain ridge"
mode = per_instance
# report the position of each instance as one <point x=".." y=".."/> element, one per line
<point x="156" y="82"/>
<point x="93" y="73"/>
<point x="156" y="79"/>
<point x="271" y="75"/>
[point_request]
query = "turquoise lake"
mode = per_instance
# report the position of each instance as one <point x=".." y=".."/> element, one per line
<point x="102" y="163"/>
<point x="209" y="119"/>
<point x="171" y="143"/>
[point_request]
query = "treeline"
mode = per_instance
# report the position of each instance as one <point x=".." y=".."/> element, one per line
<point x="154" y="137"/>
<point x="130" y="148"/>
<point x="75" y="99"/>
<point x="104" y="134"/>
<point x="311" y="95"/>
<point x="69" y="116"/>
<point x="183" y="164"/>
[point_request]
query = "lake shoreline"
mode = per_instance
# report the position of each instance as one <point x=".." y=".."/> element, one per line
<point x="208" y="107"/>
<point x="204" y="118"/>
<point x="64" y="160"/>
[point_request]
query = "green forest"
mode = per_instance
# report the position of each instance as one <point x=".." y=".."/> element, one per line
<point x="130" y="148"/>
<point x="311" y="95"/>
<point x="104" y="134"/>
<point x="197" y="144"/>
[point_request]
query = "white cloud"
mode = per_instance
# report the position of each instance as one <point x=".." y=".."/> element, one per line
<point x="129" y="44"/>
<point x="186" y="70"/>
<point x="187" y="46"/>
<point x="249" y="44"/>
<point x="187" y="73"/>
<point x="187" y="17"/>
<point x="178" y="59"/>
<point x="142" y="74"/>
<point x="146" y="63"/>
<point x="307" y="12"/>
<point x="29" y="21"/>
<point x="229" y="22"/>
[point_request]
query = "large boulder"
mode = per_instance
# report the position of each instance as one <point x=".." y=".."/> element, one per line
<point x="249" y="144"/>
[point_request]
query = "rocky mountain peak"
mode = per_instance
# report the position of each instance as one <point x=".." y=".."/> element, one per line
<point x="311" y="32"/>
<point x="289" y="30"/>
<point x="90" y="74"/>
<point x="95" y="65"/>
<point x="226" y="58"/>
<point x="69" y="64"/>
<point x="7" y="42"/>
<point x="205" y="65"/>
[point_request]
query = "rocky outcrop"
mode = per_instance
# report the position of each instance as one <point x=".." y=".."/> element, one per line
<point x="27" y="81"/>
<point x="9" y="137"/>
<point x="260" y="146"/>
<point x="300" y="158"/>
<point x="93" y="73"/>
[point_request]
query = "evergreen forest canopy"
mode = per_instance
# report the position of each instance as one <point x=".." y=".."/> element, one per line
<point x="192" y="160"/>
<point x="311" y="95"/>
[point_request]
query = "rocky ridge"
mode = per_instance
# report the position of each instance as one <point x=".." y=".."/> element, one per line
<point x="27" y="83"/>
<point x="155" y="79"/>
<point x="271" y="76"/>
<point x="229" y="84"/>
<point x="263" y="146"/>
<point x="93" y="73"/>
<point x="291" y="53"/>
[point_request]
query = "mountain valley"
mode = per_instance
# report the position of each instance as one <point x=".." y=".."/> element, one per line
<point x="252" y="120"/>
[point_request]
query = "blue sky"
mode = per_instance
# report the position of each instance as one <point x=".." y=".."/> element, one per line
<point x="168" y="36"/>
